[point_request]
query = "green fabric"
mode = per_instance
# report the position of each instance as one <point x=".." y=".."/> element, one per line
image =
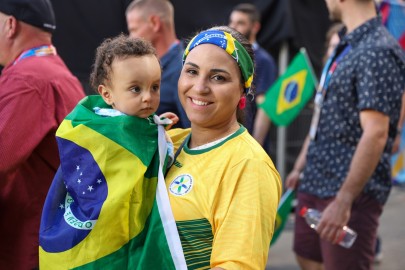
<point x="283" y="211"/>
<point x="193" y="234"/>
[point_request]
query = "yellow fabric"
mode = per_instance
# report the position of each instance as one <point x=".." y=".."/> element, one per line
<point x="236" y="187"/>
<point x="230" y="45"/>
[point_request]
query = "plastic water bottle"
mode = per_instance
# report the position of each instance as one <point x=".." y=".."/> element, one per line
<point x="312" y="217"/>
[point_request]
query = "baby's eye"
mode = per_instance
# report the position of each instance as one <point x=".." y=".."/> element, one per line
<point x="156" y="87"/>
<point x="135" y="89"/>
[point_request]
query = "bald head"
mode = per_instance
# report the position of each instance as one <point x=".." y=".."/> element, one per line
<point x="152" y="20"/>
<point x="161" y="8"/>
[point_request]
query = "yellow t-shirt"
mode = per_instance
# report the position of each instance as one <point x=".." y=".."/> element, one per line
<point x="224" y="200"/>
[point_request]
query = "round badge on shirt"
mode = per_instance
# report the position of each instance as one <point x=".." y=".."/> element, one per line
<point x="181" y="185"/>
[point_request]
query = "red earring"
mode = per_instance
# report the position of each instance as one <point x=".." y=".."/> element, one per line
<point x="242" y="102"/>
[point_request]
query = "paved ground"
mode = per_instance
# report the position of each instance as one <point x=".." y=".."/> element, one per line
<point x="392" y="231"/>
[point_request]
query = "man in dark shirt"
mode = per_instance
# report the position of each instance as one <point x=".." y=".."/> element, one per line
<point x="153" y="20"/>
<point x="345" y="170"/>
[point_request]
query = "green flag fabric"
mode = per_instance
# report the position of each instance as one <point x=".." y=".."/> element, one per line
<point x="289" y="94"/>
<point x="284" y="209"/>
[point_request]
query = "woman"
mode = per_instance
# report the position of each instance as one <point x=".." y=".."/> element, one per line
<point x="224" y="189"/>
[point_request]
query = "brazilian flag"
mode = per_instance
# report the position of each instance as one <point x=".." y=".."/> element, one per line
<point x="108" y="207"/>
<point x="283" y="211"/>
<point x="291" y="91"/>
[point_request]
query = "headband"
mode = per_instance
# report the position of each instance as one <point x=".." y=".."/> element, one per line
<point x="233" y="47"/>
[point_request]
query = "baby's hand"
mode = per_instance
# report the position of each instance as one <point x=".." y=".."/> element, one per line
<point x="171" y="116"/>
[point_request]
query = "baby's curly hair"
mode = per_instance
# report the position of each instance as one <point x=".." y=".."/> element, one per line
<point x="120" y="47"/>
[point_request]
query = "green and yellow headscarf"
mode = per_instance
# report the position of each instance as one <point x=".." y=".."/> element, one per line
<point x="232" y="46"/>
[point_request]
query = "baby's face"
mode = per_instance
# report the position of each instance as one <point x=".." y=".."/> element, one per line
<point x="135" y="85"/>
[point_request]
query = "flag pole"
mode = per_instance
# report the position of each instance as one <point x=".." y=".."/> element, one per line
<point x="282" y="131"/>
<point x="314" y="78"/>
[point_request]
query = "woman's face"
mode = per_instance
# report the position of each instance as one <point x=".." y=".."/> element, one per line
<point x="210" y="87"/>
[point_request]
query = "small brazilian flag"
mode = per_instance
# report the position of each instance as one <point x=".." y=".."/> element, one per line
<point x="283" y="211"/>
<point x="289" y="94"/>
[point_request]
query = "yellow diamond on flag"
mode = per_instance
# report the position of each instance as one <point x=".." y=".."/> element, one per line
<point x="291" y="93"/>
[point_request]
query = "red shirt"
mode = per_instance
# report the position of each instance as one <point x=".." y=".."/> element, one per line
<point x="35" y="95"/>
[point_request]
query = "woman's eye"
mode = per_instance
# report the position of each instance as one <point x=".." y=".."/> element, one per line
<point x="191" y="71"/>
<point x="135" y="89"/>
<point x="218" y="78"/>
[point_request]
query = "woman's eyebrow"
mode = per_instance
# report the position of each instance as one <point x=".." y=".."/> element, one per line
<point x="192" y="64"/>
<point x="219" y="70"/>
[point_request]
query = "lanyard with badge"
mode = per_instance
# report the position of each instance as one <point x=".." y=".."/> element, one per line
<point x="38" y="51"/>
<point x="326" y="76"/>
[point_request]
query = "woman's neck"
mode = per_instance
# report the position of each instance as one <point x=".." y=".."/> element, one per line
<point x="201" y="135"/>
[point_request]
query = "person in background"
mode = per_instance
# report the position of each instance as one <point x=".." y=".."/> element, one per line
<point x="245" y="18"/>
<point x="36" y="92"/>
<point x="345" y="165"/>
<point x="153" y="20"/>
<point x="223" y="188"/>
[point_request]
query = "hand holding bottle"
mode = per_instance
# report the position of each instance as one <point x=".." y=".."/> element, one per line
<point x="345" y="237"/>
<point x="334" y="217"/>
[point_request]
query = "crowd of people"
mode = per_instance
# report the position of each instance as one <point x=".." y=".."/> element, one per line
<point x="222" y="187"/>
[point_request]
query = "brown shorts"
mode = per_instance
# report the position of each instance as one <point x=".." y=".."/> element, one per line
<point x="363" y="219"/>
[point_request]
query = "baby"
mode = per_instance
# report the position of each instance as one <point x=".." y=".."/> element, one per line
<point x="127" y="74"/>
<point x="107" y="198"/>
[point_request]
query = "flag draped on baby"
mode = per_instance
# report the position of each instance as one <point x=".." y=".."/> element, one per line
<point x="108" y="207"/>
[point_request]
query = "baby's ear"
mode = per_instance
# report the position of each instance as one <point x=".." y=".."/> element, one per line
<point x="105" y="94"/>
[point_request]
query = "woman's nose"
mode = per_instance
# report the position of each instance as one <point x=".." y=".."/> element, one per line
<point x="201" y="85"/>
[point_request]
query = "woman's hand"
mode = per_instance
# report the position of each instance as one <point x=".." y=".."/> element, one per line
<point x="172" y="116"/>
